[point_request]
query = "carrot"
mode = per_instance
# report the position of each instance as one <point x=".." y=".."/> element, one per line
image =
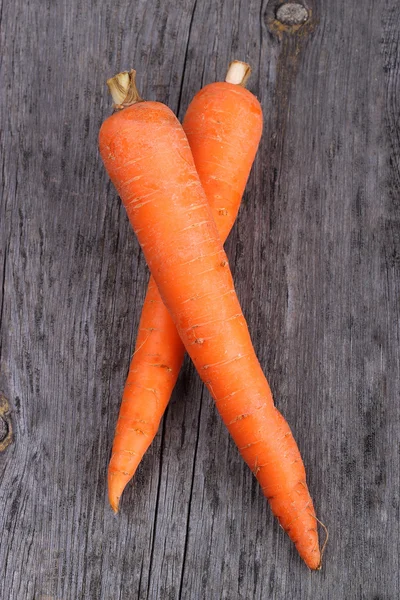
<point x="148" y="158"/>
<point x="159" y="352"/>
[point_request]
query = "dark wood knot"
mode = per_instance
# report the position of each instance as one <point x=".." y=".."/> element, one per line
<point x="5" y="423"/>
<point x="292" y="13"/>
<point x="3" y="429"/>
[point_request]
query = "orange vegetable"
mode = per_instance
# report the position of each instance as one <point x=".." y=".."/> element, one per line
<point x="217" y="145"/>
<point x="148" y="158"/>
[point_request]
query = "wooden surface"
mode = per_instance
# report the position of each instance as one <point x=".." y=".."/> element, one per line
<point x="316" y="259"/>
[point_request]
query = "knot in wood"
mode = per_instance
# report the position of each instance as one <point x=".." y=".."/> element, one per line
<point x="292" y="13"/>
<point x="5" y="424"/>
<point x="3" y="429"/>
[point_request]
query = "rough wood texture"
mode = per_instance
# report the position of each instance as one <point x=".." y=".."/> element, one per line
<point x="316" y="258"/>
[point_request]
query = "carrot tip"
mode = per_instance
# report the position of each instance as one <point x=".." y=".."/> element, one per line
<point x="114" y="497"/>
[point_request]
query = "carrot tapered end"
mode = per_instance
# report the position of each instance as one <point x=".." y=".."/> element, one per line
<point x="313" y="562"/>
<point x="117" y="482"/>
<point x="114" y="503"/>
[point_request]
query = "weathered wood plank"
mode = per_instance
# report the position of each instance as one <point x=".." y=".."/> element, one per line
<point x="315" y="254"/>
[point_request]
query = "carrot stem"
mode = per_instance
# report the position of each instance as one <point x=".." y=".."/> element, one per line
<point x="238" y="73"/>
<point x="123" y="89"/>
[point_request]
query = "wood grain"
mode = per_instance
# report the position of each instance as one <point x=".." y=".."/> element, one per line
<point x="316" y="258"/>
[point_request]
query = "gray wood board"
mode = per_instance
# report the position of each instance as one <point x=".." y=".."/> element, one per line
<point x="316" y="259"/>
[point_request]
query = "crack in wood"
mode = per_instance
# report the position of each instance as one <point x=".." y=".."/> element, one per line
<point x="186" y="543"/>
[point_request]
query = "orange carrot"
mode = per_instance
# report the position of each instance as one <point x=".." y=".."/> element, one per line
<point x="148" y="158"/>
<point x="159" y="351"/>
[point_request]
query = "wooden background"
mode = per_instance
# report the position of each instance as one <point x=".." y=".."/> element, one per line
<point x="316" y="258"/>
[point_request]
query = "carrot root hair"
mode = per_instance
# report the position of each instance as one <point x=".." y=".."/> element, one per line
<point x="324" y="527"/>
